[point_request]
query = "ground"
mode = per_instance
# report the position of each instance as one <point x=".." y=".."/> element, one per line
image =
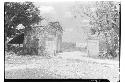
<point x="63" y="66"/>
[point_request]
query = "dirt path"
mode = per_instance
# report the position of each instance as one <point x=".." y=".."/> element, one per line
<point x="62" y="67"/>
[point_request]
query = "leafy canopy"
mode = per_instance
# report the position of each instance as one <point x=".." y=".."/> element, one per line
<point x="16" y="13"/>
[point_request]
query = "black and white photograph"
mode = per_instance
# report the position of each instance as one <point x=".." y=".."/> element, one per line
<point x="62" y="41"/>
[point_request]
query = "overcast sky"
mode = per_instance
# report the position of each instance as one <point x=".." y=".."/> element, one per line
<point x="61" y="11"/>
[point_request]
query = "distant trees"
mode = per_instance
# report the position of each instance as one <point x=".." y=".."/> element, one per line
<point x="104" y="17"/>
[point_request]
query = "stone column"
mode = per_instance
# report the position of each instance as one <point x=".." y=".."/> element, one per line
<point x="58" y="43"/>
<point x="93" y="47"/>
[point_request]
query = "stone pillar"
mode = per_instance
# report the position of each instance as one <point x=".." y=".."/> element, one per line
<point x="93" y="47"/>
<point x="58" y="43"/>
<point x="41" y="46"/>
<point x="50" y="48"/>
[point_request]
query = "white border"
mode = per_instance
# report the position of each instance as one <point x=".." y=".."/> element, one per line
<point x="122" y="61"/>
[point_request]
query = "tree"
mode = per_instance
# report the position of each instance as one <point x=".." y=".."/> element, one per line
<point x="16" y="13"/>
<point x="104" y="17"/>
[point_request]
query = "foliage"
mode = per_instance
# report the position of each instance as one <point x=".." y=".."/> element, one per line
<point x="36" y="39"/>
<point x="25" y="13"/>
<point x="16" y="13"/>
<point x="104" y="17"/>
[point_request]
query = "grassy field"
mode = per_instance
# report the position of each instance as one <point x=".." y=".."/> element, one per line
<point x="68" y="65"/>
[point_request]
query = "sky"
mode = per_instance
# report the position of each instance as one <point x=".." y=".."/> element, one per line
<point x="75" y="29"/>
